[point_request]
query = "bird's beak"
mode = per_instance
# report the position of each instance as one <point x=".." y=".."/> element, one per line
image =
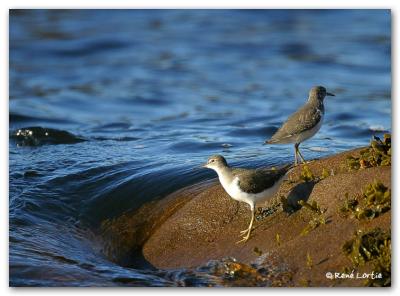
<point x="204" y="166"/>
<point x="330" y="94"/>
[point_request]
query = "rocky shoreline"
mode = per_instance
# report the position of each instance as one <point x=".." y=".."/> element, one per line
<point x="307" y="226"/>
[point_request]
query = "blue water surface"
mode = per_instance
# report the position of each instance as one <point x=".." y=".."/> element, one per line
<point x="147" y="95"/>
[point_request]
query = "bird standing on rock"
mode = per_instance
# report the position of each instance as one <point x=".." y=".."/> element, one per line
<point x="247" y="185"/>
<point x="304" y="123"/>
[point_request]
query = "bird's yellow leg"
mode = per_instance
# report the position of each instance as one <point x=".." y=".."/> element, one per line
<point x="245" y="238"/>
<point x="301" y="156"/>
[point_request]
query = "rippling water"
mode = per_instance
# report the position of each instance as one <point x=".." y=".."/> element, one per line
<point x="110" y="109"/>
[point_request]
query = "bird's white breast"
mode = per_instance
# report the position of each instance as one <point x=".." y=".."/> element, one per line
<point x="233" y="189"/>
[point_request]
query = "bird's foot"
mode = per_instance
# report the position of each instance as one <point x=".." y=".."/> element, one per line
<point x="246" y="231"/>
<point x="244" y="239"/>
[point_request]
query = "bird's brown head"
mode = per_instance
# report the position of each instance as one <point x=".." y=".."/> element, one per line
<point x="215" y="162"/>
<point x="319" y="93"/>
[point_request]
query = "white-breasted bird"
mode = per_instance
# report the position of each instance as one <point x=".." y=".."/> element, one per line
<point x="251" y="186"/>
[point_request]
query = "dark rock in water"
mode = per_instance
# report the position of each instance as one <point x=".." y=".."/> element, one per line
<point x="36" y="136"/>
<point x="31" y="173"/>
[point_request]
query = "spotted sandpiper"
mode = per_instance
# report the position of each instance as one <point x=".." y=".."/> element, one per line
<point x="247" y="185"/>
<point x="304" y="123"/>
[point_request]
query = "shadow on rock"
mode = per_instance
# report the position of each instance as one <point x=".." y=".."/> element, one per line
<point x="299" y="192"/>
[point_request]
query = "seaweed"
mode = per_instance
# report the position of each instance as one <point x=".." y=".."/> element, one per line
<point x="257" y="251"/>
<point x="278" y="239"/>
<point x="318" y="218"/>
<point x="374" y="201"/>
<point x="324" y="174"/>
<point x="372" y="247"/>
<point x="306" y="174"/>
<point x="313" y="207"/>
<point x="309" y="261"/>
<point x="377" y="154"/>
<point x="313" y="224"/>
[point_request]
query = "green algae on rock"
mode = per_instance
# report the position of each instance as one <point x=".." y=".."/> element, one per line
<point x="375" y="200"/>
<point x="278" y="239"/>
<point x="309" y="261"/>
<point x="306" y="174"/>
<point x="324" y="174"/>
<point x="377" y="154"/>
<point x="317" y="216"/>
<point x="314" y="207"/>
<point x="373" y="246"/>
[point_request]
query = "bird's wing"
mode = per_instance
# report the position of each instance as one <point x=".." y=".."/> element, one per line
<point x="256" y="181"/>
<point x="302" y="120"/>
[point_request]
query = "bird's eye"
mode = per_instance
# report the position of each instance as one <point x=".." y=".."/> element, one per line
<point x="212" y="160"/>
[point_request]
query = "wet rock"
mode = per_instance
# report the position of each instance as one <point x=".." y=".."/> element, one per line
<point x="36" y="136"/>
<point x="31" y="174"/>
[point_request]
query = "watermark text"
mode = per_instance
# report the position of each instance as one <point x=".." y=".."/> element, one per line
<point x="353" y="275"/>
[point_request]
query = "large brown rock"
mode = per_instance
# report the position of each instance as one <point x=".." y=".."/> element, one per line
<point x="201" y="223"/>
